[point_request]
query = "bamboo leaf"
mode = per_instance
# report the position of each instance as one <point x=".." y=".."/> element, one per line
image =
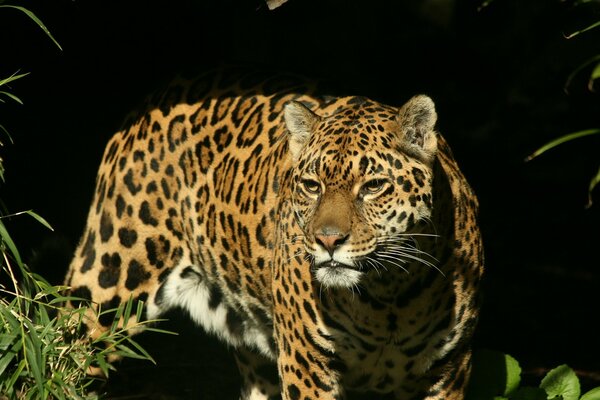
<point x="103" y="365"/>
<point x="139" y="311"/>
<point x="12" y="381"/>
<point x="8" y="356"/>
<point x="7" y="134"/>
<point x="35" y="19"/>
<point x="33" y="344"/>
<point x="39" y="219"/>
<point x="560" y="140"/>
<point x="593" y="76"/>
<point x="11" y="96"/>
<point x="5" y="237"/>
<point x="127" y="312"/>
<point x="587" y="28"/>
<point x="593" y="183"/>
<point x="577" y="70"/>
<point x="11" y="78"/>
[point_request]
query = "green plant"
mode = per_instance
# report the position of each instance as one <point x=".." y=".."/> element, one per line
<point x="5" y="81"/>
<point x="567" y="138"/>
<point x="497" y="376"/>
<point x="42" y="355"/>
<point x="592" y="64"/>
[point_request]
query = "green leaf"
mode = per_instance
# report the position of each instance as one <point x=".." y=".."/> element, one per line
<point x="36" y="363"/>
<point x="494" y="374"/>
<point x="577" y="70"/>
<point x="39" y="219"/>
<point x="593" y="76"/>
<point x="593" y="183"/>
<point x="6" y="133"/>
<point x="513" y="375"/>
<point x="593" y="394"/>
<point x="102" y="364"/>
<point x="35" y="19"/>
<point x="587" y="28"/>
<point x="11" y="78"/>
<point x="11" y="96"/>
<point x="561" y="381"/>
<point x="560" y="140"/>
<point x="5" y="237"/>
<point x="12" y="381"/>
<point x="139" y="311"/>
<point x="127" y="312"/>
<point x="8" y="356"/>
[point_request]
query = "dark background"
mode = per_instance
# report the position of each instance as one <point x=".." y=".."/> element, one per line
<point x="497" y="75"/>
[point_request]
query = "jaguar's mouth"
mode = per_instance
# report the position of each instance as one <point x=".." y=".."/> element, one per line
<point x="335" y="274"/>
<point x="335" y="264"/>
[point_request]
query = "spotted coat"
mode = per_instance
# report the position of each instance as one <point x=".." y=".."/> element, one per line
<point x="333" y="238"/>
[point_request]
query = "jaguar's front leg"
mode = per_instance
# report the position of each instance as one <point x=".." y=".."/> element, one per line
<point x="259" y="376"/>
<point x="306" y="359"/>
<point x="451" y="380"/>
<point x="446" y="382"/>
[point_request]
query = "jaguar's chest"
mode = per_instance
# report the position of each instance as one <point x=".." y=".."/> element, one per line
<point x="382" y="339"/>
<point x="379" y="368"/>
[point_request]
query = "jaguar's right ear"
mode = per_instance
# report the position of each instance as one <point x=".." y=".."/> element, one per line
<point x="299" y="121"/>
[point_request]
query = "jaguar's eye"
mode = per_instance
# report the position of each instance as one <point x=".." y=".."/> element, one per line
<point x="374" y="186"/>
<point x="311" y="186"/>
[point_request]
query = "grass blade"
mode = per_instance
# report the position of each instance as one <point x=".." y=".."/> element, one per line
<point x="577" y="70"/>
<point x="39" y="219"/>
<point x="8" y="356"/>
<point x="593" y="183"/>
<point x="11" y="78"/>
<point x="33" y="344"/>
<point x="5" y="237"/>
<point x="593" y="76"/>
<point x="11" y="96"/>
<point x="560" y="140"/>
<point x="587" y="28"/>
<point x="35" y="19"/>
<point x="127" y="312"/>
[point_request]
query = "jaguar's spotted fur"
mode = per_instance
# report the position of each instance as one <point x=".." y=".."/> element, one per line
<point x="333" y="237"/>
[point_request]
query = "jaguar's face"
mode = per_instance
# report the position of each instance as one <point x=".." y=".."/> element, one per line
<point x="361" y="185"/>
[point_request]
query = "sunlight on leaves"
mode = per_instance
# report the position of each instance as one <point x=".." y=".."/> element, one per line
<point x="561" y="381"/>
<point x="593" y="394"/>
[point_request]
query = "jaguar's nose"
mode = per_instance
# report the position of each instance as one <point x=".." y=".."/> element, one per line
<point x="330" y="242"/>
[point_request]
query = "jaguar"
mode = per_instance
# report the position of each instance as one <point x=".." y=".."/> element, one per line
<point x="331" y="241"/>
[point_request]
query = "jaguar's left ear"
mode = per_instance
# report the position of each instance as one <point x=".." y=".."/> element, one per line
<point x="417" y="120"/>
<point x="299" y="121"/>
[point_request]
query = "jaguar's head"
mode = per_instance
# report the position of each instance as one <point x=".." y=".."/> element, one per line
<point x="361" y="184"/>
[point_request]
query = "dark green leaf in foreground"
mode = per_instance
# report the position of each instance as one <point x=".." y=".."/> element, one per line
<point x="495" y="375"/>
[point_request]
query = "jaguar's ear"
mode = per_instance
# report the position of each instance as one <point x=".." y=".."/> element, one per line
<point x="417" y="120"/>
<point x="299" y="121"/>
